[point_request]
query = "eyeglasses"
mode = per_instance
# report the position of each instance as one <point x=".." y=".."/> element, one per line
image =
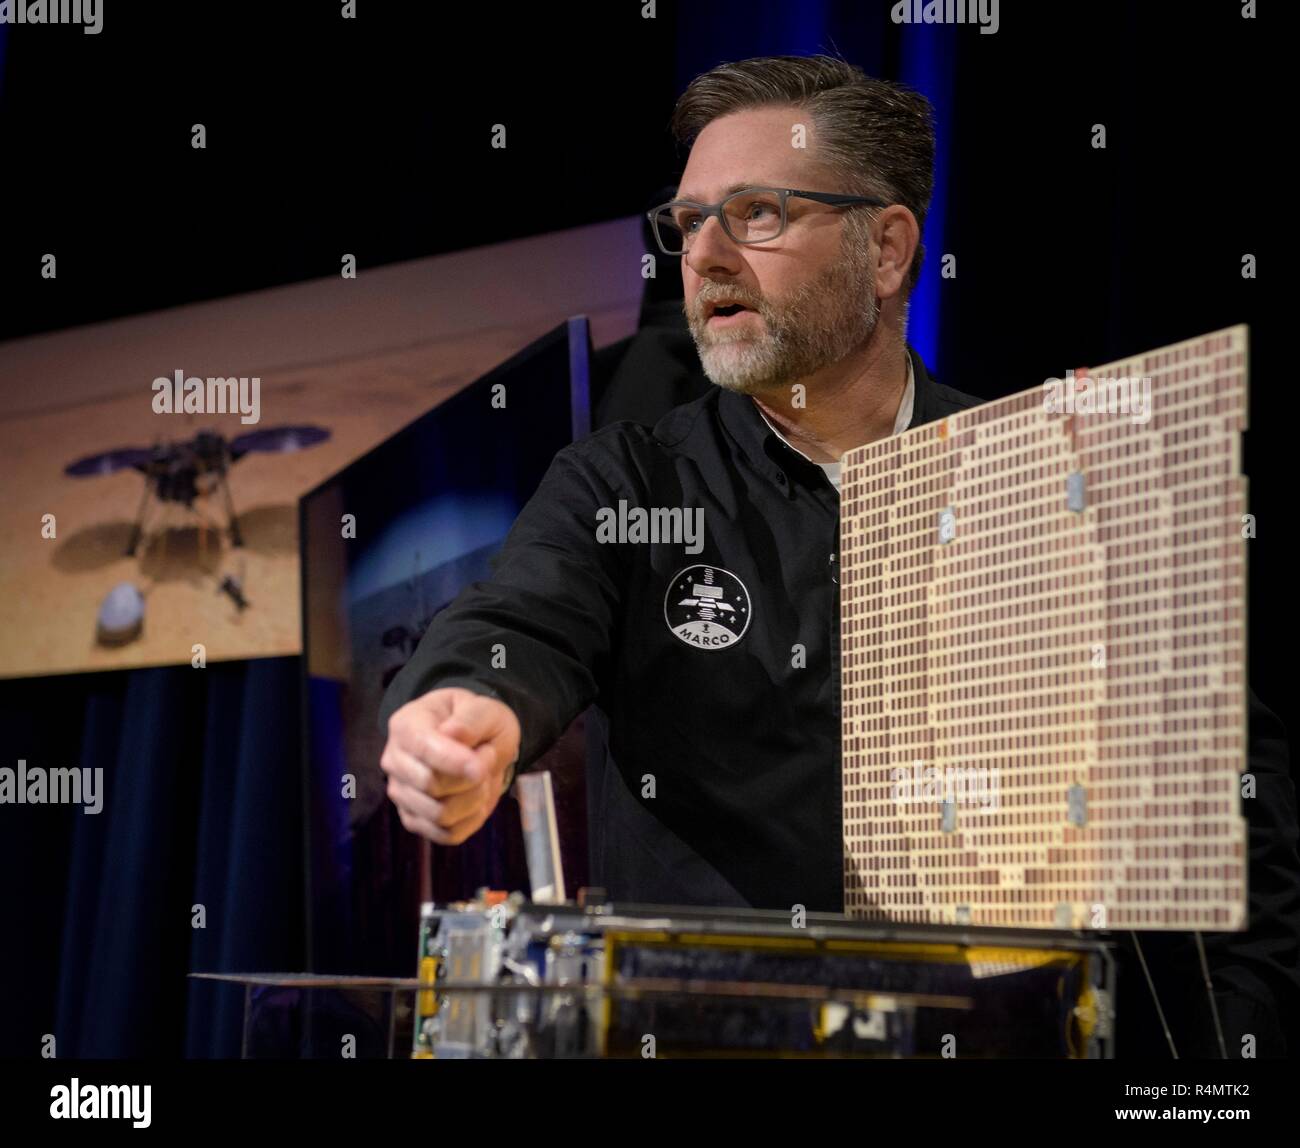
<point x="751" y="215"/>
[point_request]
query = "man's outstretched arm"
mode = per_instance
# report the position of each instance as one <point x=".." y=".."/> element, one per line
<point x="534" y="639"/>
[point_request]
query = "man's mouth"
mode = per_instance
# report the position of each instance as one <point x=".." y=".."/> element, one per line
<point x="725" y="312"/>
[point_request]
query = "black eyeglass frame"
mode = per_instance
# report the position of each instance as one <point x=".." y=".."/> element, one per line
<point x="784" y="193"/>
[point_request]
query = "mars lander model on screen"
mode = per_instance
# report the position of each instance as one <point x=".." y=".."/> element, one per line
<point x="182" y="473"/>
<point x="185" y="472"/>
<point x="1043" y="632"/>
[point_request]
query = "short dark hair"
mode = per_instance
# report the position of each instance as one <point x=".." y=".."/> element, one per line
<point x="877" y="136"/>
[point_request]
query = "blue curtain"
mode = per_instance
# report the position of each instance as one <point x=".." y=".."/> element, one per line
<point x="202" y="808"/>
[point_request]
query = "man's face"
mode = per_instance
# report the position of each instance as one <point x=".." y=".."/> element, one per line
<point x="810" y="293"/>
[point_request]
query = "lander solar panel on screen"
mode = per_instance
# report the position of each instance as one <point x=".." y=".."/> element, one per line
<point x="1043" y="624"/>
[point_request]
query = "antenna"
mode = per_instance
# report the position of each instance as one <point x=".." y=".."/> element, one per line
<point x="541" y="837"/>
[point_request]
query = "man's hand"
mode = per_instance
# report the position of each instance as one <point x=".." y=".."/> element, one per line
<point x="446" y="760"/>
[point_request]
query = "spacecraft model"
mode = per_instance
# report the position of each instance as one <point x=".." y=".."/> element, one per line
<point x="185" y="471"/>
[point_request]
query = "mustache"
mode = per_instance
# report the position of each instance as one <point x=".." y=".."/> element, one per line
<point x="732" y="294"/>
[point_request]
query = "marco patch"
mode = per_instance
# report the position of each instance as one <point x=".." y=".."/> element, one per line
<point x="707" y="607"/>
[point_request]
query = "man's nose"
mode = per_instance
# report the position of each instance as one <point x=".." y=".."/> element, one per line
<point x="713" y="251"/>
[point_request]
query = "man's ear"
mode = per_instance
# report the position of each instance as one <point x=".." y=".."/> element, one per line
<point x="900" y="240"/>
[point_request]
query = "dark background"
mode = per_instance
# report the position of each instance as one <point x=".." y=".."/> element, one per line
<point x="371" y="136"/>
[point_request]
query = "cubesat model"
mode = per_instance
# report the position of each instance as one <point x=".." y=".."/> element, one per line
<point x="1044" y="728"/>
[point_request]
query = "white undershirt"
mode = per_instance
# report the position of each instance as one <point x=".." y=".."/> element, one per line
<point x="901" y="421"/>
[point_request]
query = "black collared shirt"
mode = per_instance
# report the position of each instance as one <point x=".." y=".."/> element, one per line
<point x="715" y="673"/>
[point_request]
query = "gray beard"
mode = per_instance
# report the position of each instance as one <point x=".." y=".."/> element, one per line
<point x="821" y="323"/>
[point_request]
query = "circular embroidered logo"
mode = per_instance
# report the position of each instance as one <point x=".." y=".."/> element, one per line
<point x="707" y="607"/>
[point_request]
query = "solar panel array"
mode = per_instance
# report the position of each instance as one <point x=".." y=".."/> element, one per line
<point x="1043" y="636"/>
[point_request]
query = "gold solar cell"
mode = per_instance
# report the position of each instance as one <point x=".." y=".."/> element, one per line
<point x="1043" y="654"/>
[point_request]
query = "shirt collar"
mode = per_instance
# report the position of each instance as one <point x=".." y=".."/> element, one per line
<point x="770" y="450"/>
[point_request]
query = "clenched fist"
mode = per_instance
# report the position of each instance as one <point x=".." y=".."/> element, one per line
<point x="446" y="759"/>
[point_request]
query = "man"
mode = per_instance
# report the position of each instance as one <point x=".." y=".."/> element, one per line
<point x="713" y="659"/>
